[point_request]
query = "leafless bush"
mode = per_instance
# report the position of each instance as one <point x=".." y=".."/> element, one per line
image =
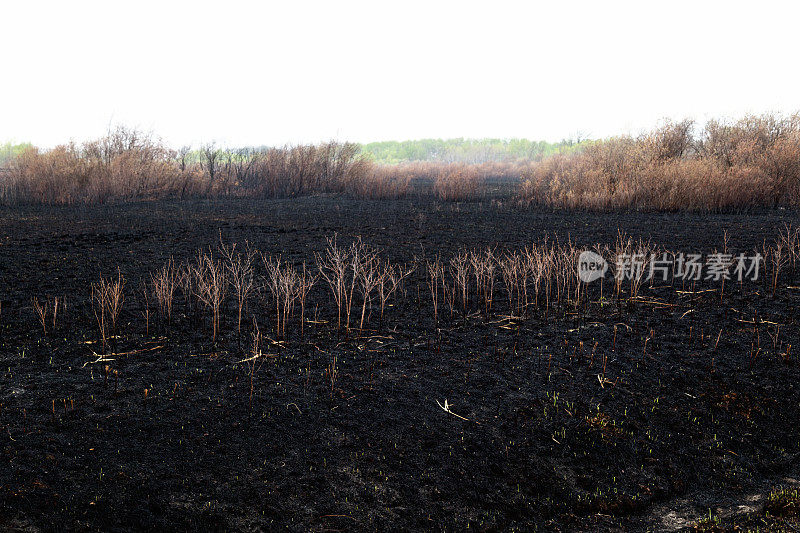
<point x="752" y="162"/>
<point x="185" y="280"/>
<point x="240" y="274"/>
<point x="41" y="310"/>
<point x="548" y="267"/>
<point x="333" y="267"/>
<point x="107" y="299"/>
<point x="366" y="269"/>
<point x="390" y="278"/>
<point x="562" y="272"/>
<point x="305" y="282"/>
<point x="346" y="270"/>
<point x="724" y="166"/>
<point x="512" y="271"/>
<point x="537" y="264"/>
<point x="629" y="263"/>
<point x="435" y="271"/>
<point x="210" y="286"/>
<point x="127" y="164"/>
<point x="288" y="294"/>
<point x="459" y="271"/>
<point x="382" y="182"/>
<point x="255" y="360"/>
<point x="778" y="257"/>
<point x="484" y="265"/>
<point x="210" y="162"/>
<point x="164" y="283"/>
<point x="283" y="283"/>
<point x="124" y="164"/>
<point x="457" y="183"/>
<point x="299" y="170"/>
<point x="790" y="239"/>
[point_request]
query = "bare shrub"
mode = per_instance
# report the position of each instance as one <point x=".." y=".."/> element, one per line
<point x="185" y="279"/>
<point x="726" y="166"/>
<point x="210" y="162"/>
<point x="460" y="271"/>
<point x="390" y="278"/>
<point x="127" y="164"/>
<point x="457" y="183"/>
<point x="345" y="271"/>
<point x="305" y="282"/>
<point x="299" y="170"/>
<point x="511" y="270"/>
<point x="41" y="310"/>
<point x="366" y="266"/>
<point x="254" y="361"/>
<point x="535" y="259"/>
<point x="333" y="267"/>
<point x="240" y="274"/>
<point x="484" y="265"/>
<point x="107" y="299"/>
<point x="164" y="283"/>
<point x="790" y="238"/>
<point x="284" y="284"/>
<point x="210" y="286"/>
<point x="778" y="257"/>
<point x="435" y="272"/>
<point x="381" y="182"/>
<point x="124" y="164"/>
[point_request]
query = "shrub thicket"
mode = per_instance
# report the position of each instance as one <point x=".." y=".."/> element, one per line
<point x="754" y="162"/>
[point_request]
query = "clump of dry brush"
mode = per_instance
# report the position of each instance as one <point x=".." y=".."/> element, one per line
<point x="210" y="285"/>
<point x="164" y="283"/>
<point x="532" y="278"/>
<point x="358" y="270"/>
<point x="108" y="295"/>
<point x="124" y="164"/>
<point x="286" y="286"/>
<point x="47" y="311"/>
<point x="753" y="162"/>
<point x="127" y="164"/>
<point x="458" y="182"/>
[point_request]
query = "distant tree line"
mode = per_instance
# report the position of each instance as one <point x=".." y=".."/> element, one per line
<point x="9" y="151"/>
<point x="470" y="151"/>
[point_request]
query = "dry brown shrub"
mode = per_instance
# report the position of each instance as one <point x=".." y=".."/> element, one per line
<point x="457" y="183"/>
<point x="382" y="182"/>
<point x="301" y="170"/>
<point x="124" y="164"/>
<point x="754" y="162"/>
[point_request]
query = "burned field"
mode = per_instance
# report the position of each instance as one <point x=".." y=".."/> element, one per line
<point x="496" y="403"/>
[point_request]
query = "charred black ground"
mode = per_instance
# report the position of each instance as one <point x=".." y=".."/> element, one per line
<point x="685" y="419"/>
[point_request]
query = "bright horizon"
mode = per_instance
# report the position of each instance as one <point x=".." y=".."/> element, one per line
<point x="243" y="74"/>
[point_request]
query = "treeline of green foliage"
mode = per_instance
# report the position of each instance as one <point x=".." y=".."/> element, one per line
<point x="465" y="150"/>
<point x="392" y="152"/>
<point x="9" y="151"/>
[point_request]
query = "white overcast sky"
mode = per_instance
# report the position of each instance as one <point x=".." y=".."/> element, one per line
<point x="247" y="73"/>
